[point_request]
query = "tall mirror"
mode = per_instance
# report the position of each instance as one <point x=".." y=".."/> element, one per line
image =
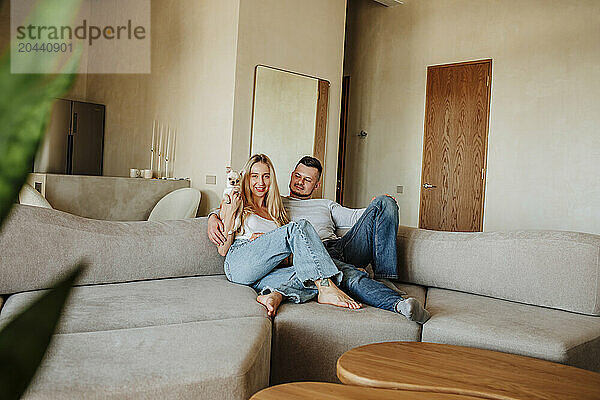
<point x="289" y="120"/>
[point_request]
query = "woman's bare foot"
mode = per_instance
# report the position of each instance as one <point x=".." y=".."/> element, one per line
<point x="331" y="294"/>
<point x="271" y="301"/>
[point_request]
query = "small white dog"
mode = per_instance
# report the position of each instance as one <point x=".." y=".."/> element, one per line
<point x="234" y="179"/>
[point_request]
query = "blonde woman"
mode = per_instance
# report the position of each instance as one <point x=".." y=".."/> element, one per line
<point x="257" y="254"/>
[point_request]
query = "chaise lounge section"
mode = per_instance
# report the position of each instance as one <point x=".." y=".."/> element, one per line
<point x="154" y="316"/>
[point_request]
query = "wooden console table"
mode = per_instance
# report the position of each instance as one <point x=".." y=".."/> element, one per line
<point x="104" y="197"/>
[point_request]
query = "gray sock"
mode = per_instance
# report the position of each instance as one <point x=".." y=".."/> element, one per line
<point x="412" y="310"/>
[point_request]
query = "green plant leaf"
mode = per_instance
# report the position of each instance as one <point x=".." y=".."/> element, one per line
<point x="24" y="340"/>
<point x="25" y="105"/>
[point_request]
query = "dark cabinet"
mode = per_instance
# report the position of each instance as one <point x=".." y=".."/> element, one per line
<point x="74" y="140"/>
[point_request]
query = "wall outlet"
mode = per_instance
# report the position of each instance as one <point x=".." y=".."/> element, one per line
<point x="400" y="189"/>
<point x="211" y="179"/>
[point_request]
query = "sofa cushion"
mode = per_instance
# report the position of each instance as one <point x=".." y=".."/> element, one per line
<point x="147" y="303"/>
<point x="476" y="321"/>
<point x="223" y="359"/>
<point x="309" y="338"/>
<point x="546" y="268"/>
<point x="38" y="245"/>
<point x="31" y="197"/>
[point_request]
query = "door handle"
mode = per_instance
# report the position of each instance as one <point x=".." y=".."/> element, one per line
<point x="428" y="185"/>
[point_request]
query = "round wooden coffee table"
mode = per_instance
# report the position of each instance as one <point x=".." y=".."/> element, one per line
<point x="331" y="391"/>
<point x="441" y="368"/>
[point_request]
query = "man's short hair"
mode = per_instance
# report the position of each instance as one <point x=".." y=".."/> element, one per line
<point x="312" y="162"/>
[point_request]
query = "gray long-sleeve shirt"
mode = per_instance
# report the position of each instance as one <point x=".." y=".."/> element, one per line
<point x="324" y="215"/>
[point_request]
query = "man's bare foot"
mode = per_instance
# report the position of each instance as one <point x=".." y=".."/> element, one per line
<point x="331" y="294"/>
<point x="271" y="301"/>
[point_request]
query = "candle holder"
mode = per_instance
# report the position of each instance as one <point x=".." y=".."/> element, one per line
<point x="162" y="151"/>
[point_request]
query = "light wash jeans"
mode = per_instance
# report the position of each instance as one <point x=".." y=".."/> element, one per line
<point x="372" y="240"/>
<point x="355" y="283"/>
<point x="256" y="262"/>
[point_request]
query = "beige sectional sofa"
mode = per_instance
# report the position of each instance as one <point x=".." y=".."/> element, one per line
<point x="154" y="316"/>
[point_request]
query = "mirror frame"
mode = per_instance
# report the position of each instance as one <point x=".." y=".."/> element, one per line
<point x="321" y="118"/>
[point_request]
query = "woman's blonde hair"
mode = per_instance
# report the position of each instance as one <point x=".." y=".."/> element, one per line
<point x="272" y="199"/>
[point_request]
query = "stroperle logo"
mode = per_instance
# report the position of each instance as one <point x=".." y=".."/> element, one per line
<point x="110" y="36"/>
<point x="83" y="32"/>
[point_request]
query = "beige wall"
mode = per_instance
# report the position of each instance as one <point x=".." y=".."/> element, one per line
<point x="544" y="139"/>
<point x="198" y="65"/>
<point x="303" y="36"/>
<point x="190" y="88"/>
<point x="199" y="70"/>
<point x="283" y="126"/>
<point x="202" y="53"/>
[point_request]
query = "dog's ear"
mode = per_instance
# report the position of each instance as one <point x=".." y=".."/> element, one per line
<point x="228" y="169"/>
<point x="243" y="172"/>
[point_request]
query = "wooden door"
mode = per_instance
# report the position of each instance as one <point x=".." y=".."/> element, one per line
<point x="455" y="146"/>
<point x="321" y="131"/>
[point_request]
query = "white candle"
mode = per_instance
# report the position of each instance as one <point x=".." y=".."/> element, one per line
<point x="173" y="151"/>
<point x="167" y="152"/>
<point x="173" y="147"/>
<point x="160" y="148"/>
<point x="168" y="143"/>
<point x="153" y="141"/>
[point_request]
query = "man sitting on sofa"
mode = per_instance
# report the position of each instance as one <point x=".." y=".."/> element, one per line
<point x="372" y="235"/>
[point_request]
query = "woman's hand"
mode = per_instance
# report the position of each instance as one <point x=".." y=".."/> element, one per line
<point x="216" y="230"/>
<point x="227" y="214"/>
<point x="230" y="209"/>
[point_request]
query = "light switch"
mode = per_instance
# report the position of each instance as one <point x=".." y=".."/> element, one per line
<point x="211" y="180"/>
<point x="399" y="189"/>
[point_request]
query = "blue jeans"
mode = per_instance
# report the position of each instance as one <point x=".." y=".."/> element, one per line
<point x="355" y="283"/>
<point x="255" y="263"/>
<point x="285" y="281"/>
<point x="249" y="262"/>
<point x="372" y="240"/>
<point x="360" y="287"/>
